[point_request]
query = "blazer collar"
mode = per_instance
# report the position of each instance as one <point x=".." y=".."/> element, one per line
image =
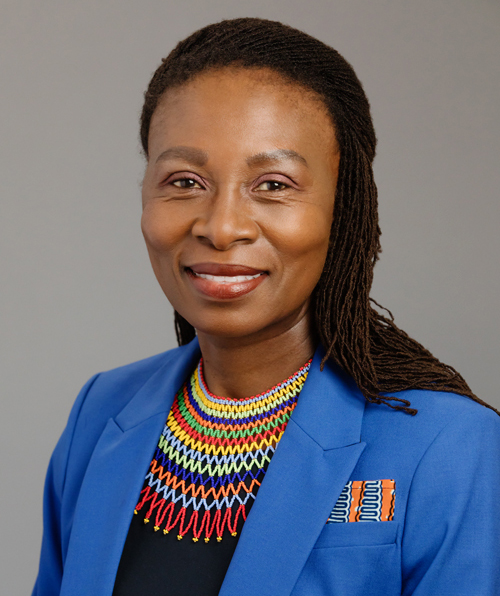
<point x="325" y="391"/>
<point x="330" y="407"/>
<point x="157" y="395"/>
<point x="329" y="410"/>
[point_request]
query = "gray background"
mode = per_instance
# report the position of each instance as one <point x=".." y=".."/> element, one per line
<point x="77" y="293"/>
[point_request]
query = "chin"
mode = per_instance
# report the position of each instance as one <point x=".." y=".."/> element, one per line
<point x="224" y="323"/>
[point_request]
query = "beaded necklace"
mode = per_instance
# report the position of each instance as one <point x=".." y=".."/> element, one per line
<point x="212" y="456"/>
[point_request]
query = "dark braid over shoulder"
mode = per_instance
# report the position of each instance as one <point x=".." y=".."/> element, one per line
<point x="380" y="357"/>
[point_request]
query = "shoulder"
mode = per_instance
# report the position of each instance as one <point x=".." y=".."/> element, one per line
<point x="449" y="433"/>
<point x="437" y="412"/>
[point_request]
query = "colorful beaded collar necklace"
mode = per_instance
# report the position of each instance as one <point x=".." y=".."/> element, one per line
<point x="212" y="456"/>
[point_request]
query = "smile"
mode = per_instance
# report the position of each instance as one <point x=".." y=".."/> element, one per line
<point x="224" y="279"/>
<point x="224" y="282"/>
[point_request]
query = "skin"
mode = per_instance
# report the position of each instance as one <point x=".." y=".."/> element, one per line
<point x="253" y="184"/>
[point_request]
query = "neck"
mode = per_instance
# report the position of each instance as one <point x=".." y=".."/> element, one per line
<point x="243" y="367"/>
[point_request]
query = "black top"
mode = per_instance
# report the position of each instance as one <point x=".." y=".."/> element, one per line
<point x="155" y="564"/>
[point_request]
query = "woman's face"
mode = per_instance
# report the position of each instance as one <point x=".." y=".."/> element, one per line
<point x="238" y="200"/>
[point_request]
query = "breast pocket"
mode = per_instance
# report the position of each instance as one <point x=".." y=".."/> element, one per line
<point x="353" y="559"/>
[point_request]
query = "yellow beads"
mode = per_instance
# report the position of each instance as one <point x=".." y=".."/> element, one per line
<point x="180" y="537"/>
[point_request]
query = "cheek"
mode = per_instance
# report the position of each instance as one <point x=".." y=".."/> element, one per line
<point x="160" y="230"/>
<point x="304" y="247"/>
<point x="163" y="238"/>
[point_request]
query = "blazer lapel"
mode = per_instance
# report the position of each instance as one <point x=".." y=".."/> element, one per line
<point x="114" y="480"/>
<point x="309" y="469"/>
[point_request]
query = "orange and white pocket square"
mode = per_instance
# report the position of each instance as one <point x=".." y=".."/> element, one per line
<point x="365" y="500"/>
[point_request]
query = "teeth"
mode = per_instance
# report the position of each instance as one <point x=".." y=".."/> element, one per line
<point x="227" y="279"/>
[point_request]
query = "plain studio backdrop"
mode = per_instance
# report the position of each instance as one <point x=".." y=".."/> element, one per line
<point x="77" y="293"/>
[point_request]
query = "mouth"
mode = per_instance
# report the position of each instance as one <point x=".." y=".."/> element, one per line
<point x="224" y="281"/>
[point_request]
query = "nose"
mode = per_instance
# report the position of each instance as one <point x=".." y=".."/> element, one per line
<point x="226" y="221"/>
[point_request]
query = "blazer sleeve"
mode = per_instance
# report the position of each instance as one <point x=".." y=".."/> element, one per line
<point x="451" y="540"/>
<point x="55" y="529"/>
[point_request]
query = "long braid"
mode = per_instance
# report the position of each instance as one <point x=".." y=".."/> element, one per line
<point x="381" y="358"/>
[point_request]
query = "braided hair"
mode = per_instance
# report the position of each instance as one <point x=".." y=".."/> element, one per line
<point x="367" y="344"/>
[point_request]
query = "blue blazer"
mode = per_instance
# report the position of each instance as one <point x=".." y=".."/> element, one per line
<point x="444" y="538"/>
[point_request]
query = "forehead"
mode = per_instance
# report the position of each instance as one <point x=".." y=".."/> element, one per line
<point x="252" y="80"/>
<point x="250" y="100"/>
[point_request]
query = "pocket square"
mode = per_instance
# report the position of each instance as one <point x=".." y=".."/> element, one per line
<point x="365" y="500"/>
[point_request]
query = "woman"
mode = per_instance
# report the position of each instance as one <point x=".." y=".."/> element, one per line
<point x="260" y="218"/>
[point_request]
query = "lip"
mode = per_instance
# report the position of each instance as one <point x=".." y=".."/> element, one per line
<point x="224" y="289"/>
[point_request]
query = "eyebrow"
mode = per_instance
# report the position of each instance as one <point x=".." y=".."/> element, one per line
<point x="195" y="156"/>
<point x="273" y="156"/>
<point x="199" y="157"/>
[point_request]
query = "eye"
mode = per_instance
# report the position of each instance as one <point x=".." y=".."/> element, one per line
<point x="271" y="185"/>
<point x="186" y="183"/>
